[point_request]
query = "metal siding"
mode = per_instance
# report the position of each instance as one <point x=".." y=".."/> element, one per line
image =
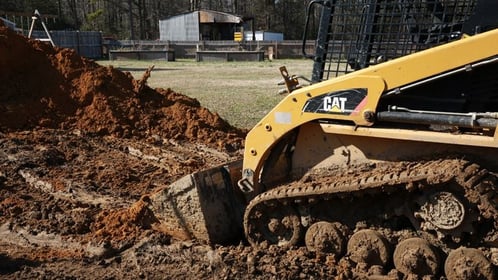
<point x="180" y="28"/>
<point x="264" y="36"/>
<point x="192" y="26"/>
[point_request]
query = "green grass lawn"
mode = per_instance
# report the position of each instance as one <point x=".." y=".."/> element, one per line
<point x="240" y="92"/>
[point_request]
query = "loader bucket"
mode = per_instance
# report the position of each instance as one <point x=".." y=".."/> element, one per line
<point x="204" y="205"/>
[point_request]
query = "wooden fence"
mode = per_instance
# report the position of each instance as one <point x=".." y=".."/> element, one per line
<point x="189" y="49"/>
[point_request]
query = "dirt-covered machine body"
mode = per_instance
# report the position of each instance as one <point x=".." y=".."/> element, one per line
<point x="444" y="98"/>
<point x="392" y="164"/>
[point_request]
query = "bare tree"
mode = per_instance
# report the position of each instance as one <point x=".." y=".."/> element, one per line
<point x="139" y="19"/>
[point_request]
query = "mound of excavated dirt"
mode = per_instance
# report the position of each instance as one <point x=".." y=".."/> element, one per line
<point x="80" y="144"/>
<point x="47" y="87"/>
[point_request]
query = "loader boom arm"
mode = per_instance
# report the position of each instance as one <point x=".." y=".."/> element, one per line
<point x="293" y="111"/>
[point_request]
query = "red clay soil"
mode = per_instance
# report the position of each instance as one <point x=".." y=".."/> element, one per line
<point x="45" y="87"/>
<point x="80" y="144"/>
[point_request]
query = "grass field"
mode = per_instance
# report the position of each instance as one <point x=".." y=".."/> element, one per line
<point x="240" y="92"/>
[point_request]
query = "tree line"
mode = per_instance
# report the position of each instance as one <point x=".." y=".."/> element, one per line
<point x="139" y="19"/>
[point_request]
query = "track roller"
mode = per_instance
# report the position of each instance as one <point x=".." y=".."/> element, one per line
<point x="468" y="264"/>
<point x="275" y="223"/>
<point x="370" y="247"/>
<point x="415" y="256"/>
<point x="325" y="237"/>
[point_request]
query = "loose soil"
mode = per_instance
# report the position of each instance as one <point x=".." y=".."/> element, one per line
<point x="81" y="147"/>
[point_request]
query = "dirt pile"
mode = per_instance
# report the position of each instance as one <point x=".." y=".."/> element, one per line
<point x="45" y="87"/>
<point x="80" y="144"/>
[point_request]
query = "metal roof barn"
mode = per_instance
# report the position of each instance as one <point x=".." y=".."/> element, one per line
<point x="199" y="25"/>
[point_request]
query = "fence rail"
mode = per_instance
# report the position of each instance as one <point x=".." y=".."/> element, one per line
<point x="90" y="44"/>
<point x="188" y="49"/>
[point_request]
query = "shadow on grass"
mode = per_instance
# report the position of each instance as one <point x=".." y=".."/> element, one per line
<point x="131" y="69"/>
